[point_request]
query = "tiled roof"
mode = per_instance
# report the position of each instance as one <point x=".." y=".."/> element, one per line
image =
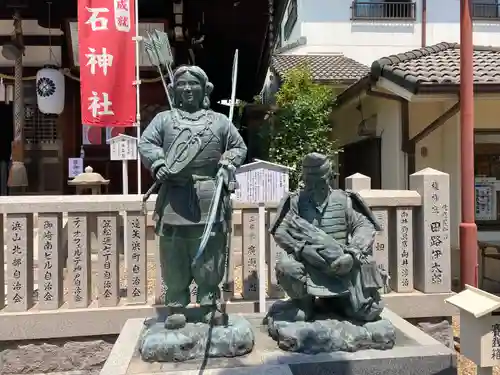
<point x="438" y="64"/>
<point x="431" y="68"/>
<point x="336" y="68"/>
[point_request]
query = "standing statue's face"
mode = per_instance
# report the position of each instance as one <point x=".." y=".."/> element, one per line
<point x="189" y="90"/>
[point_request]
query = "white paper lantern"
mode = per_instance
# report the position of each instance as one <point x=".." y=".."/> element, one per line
<point x="50" y="90"/>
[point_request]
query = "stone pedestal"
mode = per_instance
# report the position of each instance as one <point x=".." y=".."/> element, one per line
<point x="196" y="340"/>
<point x="414" y="353"/>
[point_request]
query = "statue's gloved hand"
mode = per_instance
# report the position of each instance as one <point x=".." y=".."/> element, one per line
<point x="225" y="163"/>
<point x="342" y="265"/>
<point x="227" y="171"/>
<point x="162" y="173"/>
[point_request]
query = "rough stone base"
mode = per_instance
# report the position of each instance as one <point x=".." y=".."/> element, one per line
<point x="439" y="328"/>
<point x="327" y="333"/>
<point x="196" y="340"/>
<point x="327" y="336"/>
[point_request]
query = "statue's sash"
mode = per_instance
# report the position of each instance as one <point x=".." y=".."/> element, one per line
<point x="188" y="144"/>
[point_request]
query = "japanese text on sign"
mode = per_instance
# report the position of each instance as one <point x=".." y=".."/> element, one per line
<point x="251" y="256"/>
<point x="404" y="246"/>
<point x="78" y="254"/>
<point x="106" y="254"/>
<point x="495" y="342"/>
<point x="17" y="232"/>
<point x="48" y="238"/>
<point x="136" y="257"/>
<point x="106" y="52"/>
<point x="438" y="232"/>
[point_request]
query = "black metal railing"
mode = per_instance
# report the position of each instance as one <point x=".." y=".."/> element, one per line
<point x="291" y="20"/>
<point x="485" y="11"/>
<point x="381" y="10"/>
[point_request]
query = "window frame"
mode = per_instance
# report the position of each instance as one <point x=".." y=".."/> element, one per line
<point x="366" y="10"/>
<point x="291" y="19"/>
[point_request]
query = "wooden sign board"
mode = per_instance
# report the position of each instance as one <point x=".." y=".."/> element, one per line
<point x="123" y="147"/>
<point x="480" y="324"/>
<point x="262" y="181"/>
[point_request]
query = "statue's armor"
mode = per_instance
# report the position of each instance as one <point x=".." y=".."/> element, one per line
<point x="200" y="172"/>
<point x="332" y="220"/>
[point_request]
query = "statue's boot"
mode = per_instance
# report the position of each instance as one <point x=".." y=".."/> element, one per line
<point x="213" y="315"/>
<point x="176" y="318"/>
<point x="303" y="309"/>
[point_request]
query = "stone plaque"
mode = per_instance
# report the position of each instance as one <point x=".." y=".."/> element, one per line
<point x="433" y="254"/>
<point x="108" y="269"/>
<point x="50" y="276"/>
<point x="381" y="243"/>
<point x="250" y="223"/>
<point x="19" y="262"/>
<point x="79" y="265"/>
<point x="137" y="263"/>
<point x="401" y="252"/>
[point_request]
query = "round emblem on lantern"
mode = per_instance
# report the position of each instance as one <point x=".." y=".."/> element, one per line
<point x="45" y="87"/>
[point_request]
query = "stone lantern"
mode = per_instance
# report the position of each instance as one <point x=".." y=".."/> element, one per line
<point x="88" y="181"/>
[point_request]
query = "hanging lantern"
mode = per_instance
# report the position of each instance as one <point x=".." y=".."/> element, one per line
<point x="50" y="90"/>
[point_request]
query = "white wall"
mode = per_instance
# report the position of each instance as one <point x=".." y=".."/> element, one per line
<point x="328" y="28"/>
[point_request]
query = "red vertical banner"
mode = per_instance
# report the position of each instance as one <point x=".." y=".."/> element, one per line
<point x="107" y="62"/>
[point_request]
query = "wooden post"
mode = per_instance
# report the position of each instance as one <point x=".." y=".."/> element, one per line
<point x="18" y="178"/>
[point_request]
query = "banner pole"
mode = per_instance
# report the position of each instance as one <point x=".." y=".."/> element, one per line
<point x="138" y="39"/>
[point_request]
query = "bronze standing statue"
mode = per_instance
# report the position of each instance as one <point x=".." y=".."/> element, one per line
<point x="192" y="151"/>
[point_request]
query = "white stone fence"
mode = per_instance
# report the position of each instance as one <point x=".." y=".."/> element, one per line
<point x="69" y="292"/>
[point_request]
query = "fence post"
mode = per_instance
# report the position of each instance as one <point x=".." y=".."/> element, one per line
<point x="135" y="238"/>
<point x="250" y="223"/>
<point x="108" y="259"/>
<point x="19" y="262"/>
<point x="262" y="257"/>
<point x="358" y="182"/>
<point x="50" y="267"/>
<point x="432" y="250"/>
<point x="401" y="250"/>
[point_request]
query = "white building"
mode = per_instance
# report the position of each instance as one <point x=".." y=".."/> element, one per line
<point x="353" y="32"/>
<point x="404" y="115"/>
<point x="370" y="29"/>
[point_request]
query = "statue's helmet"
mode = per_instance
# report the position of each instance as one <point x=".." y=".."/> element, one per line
<point x="317" y="164"/>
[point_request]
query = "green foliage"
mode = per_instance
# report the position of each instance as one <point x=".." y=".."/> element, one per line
<point x="300" y="124"/>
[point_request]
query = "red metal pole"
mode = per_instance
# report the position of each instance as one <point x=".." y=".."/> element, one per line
<point x="468" y="228"/>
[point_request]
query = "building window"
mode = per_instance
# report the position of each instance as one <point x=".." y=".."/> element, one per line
<point x="383" y="10"/>
<point x="487" y="177"/>
<point x="277" y="44"/>
<point x="38" y="127"/>
<point x="485" y="9"/>
<point x="291" y="19"/>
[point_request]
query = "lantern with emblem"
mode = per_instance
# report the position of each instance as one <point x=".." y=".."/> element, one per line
<point x="50" y="90"/>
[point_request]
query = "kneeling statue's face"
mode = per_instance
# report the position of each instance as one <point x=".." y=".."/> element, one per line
<point x="316" y="180"/>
